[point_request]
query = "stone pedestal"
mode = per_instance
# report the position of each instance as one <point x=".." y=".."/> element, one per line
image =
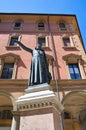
<point x="40" y="109"/>
<point x="15" y="121"/>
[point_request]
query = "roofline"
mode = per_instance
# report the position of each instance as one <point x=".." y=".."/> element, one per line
<point x="80" y="33"/>
<point x="3" y="13"/>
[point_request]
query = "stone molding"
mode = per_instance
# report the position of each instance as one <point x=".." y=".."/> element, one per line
<point x="39" y="99"/>
<point x="72" y="58"/>
<point x="15" y="113"/>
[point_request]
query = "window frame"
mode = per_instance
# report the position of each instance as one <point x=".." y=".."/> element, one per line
<point x="74" y="59"/>
<point x="46" y="40"/>
<point x="12" y="43"/>
<point x="67" y="115"/>
<point x="6" y="121"/>
<point x="9" y="58"/>
<point x="14" y="35"/>
<point x="40" y="28"/>
<point x="7" y="74"/>
<point x="66" y="44"/>
<point x="7" y="113"/>
<point x="61" y="26"/>
<point x="71" y="44"/>
<point x="42" y="38"/>
<point x="17" y="22"/>
<point x="74" y="76"/>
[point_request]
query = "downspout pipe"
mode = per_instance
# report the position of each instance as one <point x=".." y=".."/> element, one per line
<point x="55" y="70"/>
<point x="54" y="55"/>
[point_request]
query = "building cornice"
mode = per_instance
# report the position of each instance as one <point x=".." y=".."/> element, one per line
<point x="63" y="85"/>
<point x="53" y="82"/>
<point x="66" y="83"/>
<point x="70" y="82"/>
<point x="4" y="13"/>
<point x="14" y="82"/>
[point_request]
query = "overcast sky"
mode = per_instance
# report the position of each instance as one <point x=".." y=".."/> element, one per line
<point x="77" y="7"/>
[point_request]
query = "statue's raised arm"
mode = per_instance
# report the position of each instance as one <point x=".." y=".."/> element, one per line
<point x="24" y="47"/>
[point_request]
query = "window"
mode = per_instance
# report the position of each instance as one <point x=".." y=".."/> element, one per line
<point x="40" y="26"/>
<point x="17" y="25"/>
<point x="42" y="41"/>
<point x="5" y="114"/>
<point x="74" y="71"/>
<point x="5" y="118"/>
<point x="12" y="41"/>
<point x="8" y="67"/>
<point x="7" y="71"/>
<point x="66" y="41"/>
<point x="74" y="67"/>
<point x="67" y="115"/>
<point x="62" y="26"/>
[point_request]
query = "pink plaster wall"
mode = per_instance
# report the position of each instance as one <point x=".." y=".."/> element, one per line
<point x="28" y="37"/>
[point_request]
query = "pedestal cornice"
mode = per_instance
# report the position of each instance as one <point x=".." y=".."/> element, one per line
<point x="39" y="97"/>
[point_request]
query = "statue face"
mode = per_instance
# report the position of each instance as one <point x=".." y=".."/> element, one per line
<point x="38" y="46"/>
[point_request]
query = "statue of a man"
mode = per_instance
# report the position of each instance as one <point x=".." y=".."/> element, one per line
<point x="39" y="72"/>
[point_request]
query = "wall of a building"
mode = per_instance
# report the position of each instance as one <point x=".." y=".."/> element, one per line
<point x="28" y="35"/>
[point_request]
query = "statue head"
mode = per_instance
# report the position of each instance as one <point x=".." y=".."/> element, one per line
<point x="38" y="46"/>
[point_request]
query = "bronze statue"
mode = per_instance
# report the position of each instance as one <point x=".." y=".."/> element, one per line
<point x="39" y="72"/>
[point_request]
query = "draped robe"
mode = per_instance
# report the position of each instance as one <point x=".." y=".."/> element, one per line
<point x="39" y="72"/>
<point x="39" y="68"/>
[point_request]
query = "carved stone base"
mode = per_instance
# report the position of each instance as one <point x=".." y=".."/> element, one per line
<point x="39" y="109"/>
<point x="40" y="119"/>
<point x="38" y="97"/>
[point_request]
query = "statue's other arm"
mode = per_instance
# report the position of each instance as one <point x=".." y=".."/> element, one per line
<point x="24" y="47"/>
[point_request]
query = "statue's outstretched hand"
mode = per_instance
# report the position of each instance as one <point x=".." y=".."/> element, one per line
<point x="23" y="46"/>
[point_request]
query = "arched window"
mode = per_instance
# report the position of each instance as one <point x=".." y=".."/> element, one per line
<point x="41" y="26"/>
<point x="62" y="26"/>
<point x="17" y="25"/>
